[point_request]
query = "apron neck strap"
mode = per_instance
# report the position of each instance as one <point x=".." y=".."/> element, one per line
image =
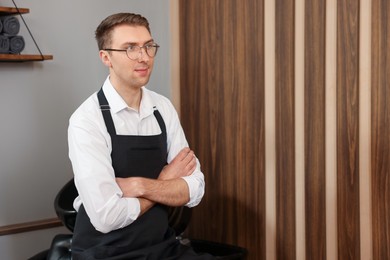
<point x="105" y="108"/>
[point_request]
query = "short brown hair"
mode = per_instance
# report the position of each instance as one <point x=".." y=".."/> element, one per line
<point x="105" y="28"/>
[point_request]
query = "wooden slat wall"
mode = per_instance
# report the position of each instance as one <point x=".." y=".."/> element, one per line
<point x="324" y="155"/>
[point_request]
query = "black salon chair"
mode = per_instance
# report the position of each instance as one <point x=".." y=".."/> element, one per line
<point x="63" y="205"/>
<point x="179" y="218"/>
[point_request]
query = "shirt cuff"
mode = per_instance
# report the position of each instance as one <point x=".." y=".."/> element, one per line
<point x="133" y="211"/>
<point x="193" y="190"/>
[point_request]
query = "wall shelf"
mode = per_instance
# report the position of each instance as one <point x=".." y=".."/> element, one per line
<point x="12" y="10"/>
<point x="24" y="57"/>
<point x="20" y="57"/>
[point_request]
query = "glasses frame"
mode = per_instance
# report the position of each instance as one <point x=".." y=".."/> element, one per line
<point x="140" y="50"/>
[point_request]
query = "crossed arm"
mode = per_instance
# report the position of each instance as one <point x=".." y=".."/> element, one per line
<point x="169" y="189"/>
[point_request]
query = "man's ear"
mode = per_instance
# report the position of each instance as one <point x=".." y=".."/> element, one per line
<point x="105" y="58"/>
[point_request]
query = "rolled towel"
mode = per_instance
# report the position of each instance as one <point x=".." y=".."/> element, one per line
<point x="4" y="44"/>
<point x="11" y="25"/>
<point x="16" y="44"/>
<point x="1" y="25"/>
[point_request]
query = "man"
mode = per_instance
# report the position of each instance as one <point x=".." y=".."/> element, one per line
<point x="120" y="141"/>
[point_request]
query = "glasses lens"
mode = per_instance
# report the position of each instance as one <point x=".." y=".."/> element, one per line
<point x="151" y="50"/>
<point x="134" y="52"/>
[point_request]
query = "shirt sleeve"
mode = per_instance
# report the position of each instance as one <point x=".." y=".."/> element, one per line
<point x="89" y="152"/>
<point x="176" y="142"/>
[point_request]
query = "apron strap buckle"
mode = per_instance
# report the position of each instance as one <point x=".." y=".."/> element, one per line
<point x="105" y="107"/>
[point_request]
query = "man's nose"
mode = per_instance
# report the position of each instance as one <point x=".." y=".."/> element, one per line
<point x="143" y="56"/>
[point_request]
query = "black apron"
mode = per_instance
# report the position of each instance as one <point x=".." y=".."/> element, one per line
<point x="148" y="237"/>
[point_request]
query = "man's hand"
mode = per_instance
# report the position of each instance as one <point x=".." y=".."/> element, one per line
<point x="182" y="165"/>
<point x="131" y="186"/>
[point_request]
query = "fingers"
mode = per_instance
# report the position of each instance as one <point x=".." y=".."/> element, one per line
<point x="182" y="154"/>
<point x="189" y="163"/>
<point x="189" y="157"/>
<point x="185" y="156"/>
<point x="191" y="166"/>
<point x="184" y="164"/>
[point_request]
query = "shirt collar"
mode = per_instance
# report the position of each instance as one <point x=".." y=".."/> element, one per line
<point x="117" y="103"/>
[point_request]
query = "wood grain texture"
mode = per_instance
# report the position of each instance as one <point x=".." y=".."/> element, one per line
<point x="347" y="129"/>
<point x="380" y="129"/>
<point x="315" y="129"/>
<point x="11" y="10"/>
<point x="285" y="130"/>
<point x="222" y="108"/>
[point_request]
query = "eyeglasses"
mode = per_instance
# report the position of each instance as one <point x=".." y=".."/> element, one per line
<point x="134" y="52"/>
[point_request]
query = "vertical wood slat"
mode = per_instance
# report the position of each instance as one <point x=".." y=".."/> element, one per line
<point x="269" y="96"/>
<point x="380" y="133"/>
<point x="365" y="129"/>
<point x="195" y="116"/>
<point x="299" y="99"/>
<point x="285" y="134"/>
<point x="175" y="54"/>
<point x="222" y="69"/>
<point x="347" y="129"/>
<point x="331" y="129"/>
<point x="315" y="129"/>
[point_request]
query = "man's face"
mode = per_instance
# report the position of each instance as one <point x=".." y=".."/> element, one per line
<point x="124" y="72"/>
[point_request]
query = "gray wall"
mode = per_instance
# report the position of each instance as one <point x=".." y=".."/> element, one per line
<point x="37" y="99"/>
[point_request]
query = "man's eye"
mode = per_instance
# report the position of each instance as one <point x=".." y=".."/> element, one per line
<point x="132" y="48"/>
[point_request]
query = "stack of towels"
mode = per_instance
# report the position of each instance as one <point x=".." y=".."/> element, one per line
<point x="10" y="42"/>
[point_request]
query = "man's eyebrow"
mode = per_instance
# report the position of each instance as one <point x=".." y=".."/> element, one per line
<point x="151" y="40"/>
<point x="136" y="43"/>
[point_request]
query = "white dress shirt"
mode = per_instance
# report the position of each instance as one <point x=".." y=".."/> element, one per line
<point x="90" y="154"/>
